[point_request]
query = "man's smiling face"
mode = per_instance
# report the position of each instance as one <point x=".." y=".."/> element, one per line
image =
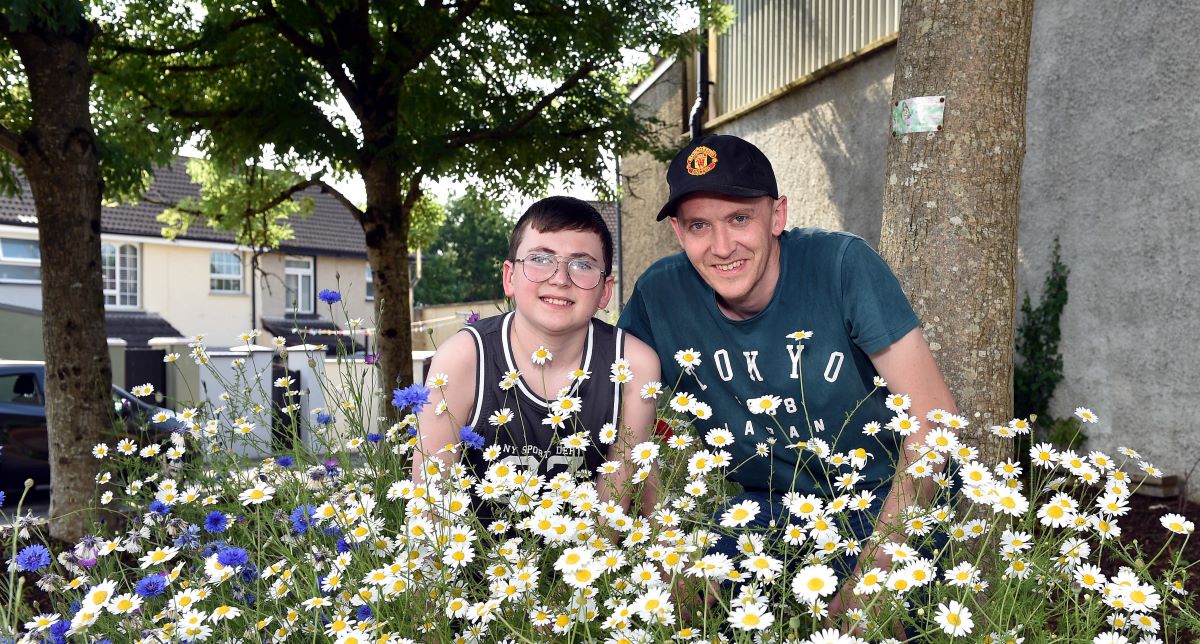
<point x="733" y="242"/>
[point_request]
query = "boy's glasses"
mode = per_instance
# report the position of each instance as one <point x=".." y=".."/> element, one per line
<point x="539" y="267"/>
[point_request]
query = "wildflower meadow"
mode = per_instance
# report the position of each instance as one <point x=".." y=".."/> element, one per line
<point x="337" y="539"/>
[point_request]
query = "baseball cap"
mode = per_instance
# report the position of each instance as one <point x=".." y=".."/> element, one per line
<point x="719" y="163"/>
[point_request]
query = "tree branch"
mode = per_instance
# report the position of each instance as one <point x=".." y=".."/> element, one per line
<point x="275" y="201"/>
<point x="341" y="198"/>
<point x="141" y="50"/>
<point x="329" y="60"/>
<point x="465" y="11"/>
<point x="467" y="138"/>
<point x="13" y="143"/>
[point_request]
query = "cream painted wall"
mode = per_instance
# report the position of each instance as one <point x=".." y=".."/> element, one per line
<point x="344" y="274"/>
<point x="347" y="275"/>
<point x="175" y="281"/>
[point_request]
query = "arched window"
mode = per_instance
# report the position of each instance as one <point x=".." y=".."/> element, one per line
<point x="119" y="266"/>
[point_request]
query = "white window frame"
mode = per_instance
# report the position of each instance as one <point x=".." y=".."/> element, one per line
<point x="214" y="273"/>
<point x="295" y="297"/>
<point x="127" y="274"/>
<point x="21" y="261"/>
<point x="369" y="283"/>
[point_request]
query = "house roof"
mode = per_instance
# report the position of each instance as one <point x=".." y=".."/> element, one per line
<point x="136" y="328"/>
<point x="329" y="230"/>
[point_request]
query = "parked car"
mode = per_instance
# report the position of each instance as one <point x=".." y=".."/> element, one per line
<point x="26" y="448"/>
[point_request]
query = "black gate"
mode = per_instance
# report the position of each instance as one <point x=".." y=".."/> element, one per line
<point x="146" y="366"/>
<point x="282" y="435"/>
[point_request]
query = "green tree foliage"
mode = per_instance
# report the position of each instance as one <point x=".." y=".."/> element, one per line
<point x="464" y="263"/>
<point x="1039" y="364"/>
<point x="247" y="200"/>
<point x="428" y="217"/>
<point x="402" y="94"/>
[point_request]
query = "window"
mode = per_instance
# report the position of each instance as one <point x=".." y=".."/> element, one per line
<point x="298" y="277"/>
<point x="225" y="272"/>
<point x="20" y="389"/>
<point x="119" y="266"/>
<point x="20" y="261"/>
<point x="370" y="283"/>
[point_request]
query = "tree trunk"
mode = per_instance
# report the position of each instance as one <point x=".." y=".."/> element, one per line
<point x="385" y="225"/>
<point x="60" y="162"/>
<point x="951" y="201"/>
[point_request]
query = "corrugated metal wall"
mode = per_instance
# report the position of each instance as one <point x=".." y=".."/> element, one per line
<point x="773" y="42"/>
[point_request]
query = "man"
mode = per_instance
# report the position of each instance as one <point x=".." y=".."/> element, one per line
<point x="525" y="380"/>
<point x="809" y="317"/>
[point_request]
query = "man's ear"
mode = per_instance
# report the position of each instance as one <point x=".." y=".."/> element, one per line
<point x="678" y="232"/>
<point x="507" y="278"/>
<point x="779" y="216"/>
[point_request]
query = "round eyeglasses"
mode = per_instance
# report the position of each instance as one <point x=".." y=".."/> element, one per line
<point x="539" y="267"/>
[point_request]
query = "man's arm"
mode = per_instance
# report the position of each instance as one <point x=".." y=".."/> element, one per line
<point x="456" y="358"/>
<point x="638" y="422"/>
<point x="909" y="368"/>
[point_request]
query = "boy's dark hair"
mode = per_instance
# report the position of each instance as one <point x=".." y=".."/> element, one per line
<point x="553" y="214"/>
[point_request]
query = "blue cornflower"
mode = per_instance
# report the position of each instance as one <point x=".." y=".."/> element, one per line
<point x="342" y="545"/>
<point x="216" y="521"/>
<point x="211" y="549"/>
<point x="1" y="499"/>
<point x="364" y="613"/>
<point x="189" y="538"/>
<point x="33" y="558"/>
<point x="374" y="437"/>
<point x="160" y="507"/>
<point x="284" y="461"/>
<point x="151" y="586"/>
<point x="231" y="556"/>
<point x="302" y="518"/>
<point x="58" y="630"/>
<point x="329" y="296"/>
<point x="472" y="439"/>
<point x="324" y="418"/>
<point x="249" y="573"/>
<point x="414" y="395"/>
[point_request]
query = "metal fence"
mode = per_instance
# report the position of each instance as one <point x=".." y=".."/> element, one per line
<point x="774" y="42"/>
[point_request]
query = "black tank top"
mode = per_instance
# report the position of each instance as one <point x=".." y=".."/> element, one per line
<point x="525" y="441"/>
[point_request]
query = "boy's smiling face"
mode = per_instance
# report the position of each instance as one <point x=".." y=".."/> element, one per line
<point x="557" y="305"/>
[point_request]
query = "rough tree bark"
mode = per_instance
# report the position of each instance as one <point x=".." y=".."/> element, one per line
<point x="58" y="156"/>
<point x="950" y="205"/>
<point x="385" y="225"/>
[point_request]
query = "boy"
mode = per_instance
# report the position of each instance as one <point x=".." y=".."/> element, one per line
<point x="526" y="380"/>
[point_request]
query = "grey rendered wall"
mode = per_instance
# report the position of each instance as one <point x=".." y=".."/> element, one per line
<point x="828" y="144"/>
<point x="1113" y="168"/>
<point x="643" y="239"/>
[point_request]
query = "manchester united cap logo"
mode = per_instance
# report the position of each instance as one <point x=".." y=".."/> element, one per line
<point x="701" y="161"/>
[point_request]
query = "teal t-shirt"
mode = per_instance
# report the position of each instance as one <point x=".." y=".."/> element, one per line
<point x="832" y="284"/>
